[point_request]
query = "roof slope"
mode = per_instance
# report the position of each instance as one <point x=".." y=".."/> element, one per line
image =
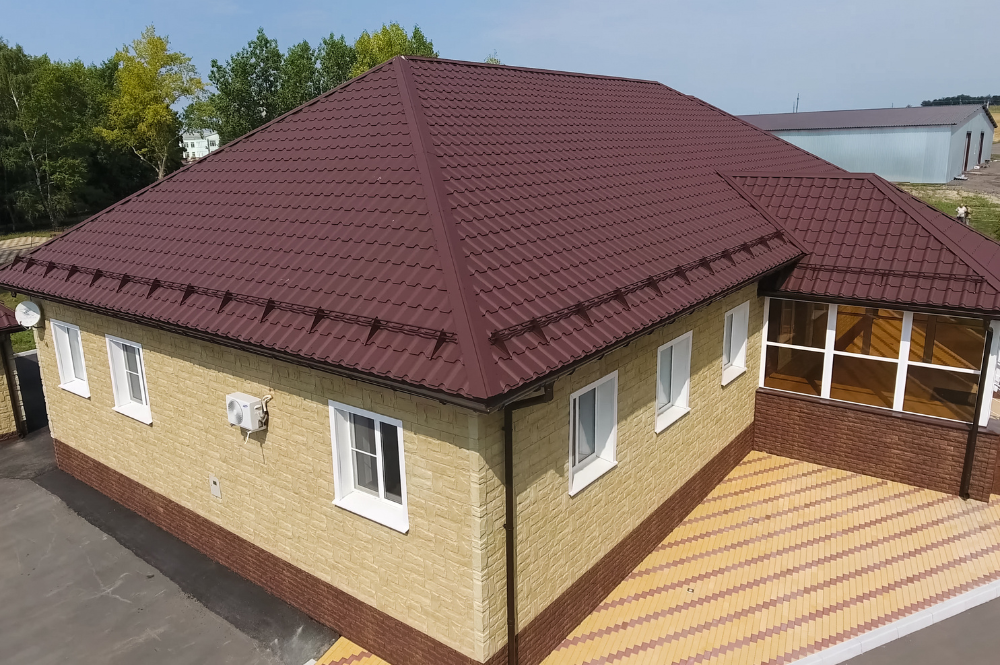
<point x="868" y="240"/>
<point x="460" y="227"/>
<point x="8" y="323"/>
<point x="914" y="116"/>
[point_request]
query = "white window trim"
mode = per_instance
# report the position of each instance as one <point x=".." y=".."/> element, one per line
<point x="738" y="360"/>
<point x="140" y="412"/>
<point x="76" y="386"/>
<point x="674" y="412"/>
<point x="385" y="512"/>
<point x="604" y="458"/>
<point x="903" y="361"/>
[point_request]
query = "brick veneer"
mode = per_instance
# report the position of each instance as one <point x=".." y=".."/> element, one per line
<point x="383" y="635"/>
<point x="547" y="630"/>
<point x="905" y="448"/>
<point x="376" y="631"/>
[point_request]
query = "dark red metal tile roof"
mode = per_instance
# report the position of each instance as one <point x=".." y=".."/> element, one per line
<point x="7" y="321"/>
<point x="460" y="227"/>
<point x="868" y="240"/>
<point x="915" y="116"/>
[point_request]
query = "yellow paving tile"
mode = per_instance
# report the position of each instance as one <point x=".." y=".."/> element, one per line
<point x="344" y="651"/>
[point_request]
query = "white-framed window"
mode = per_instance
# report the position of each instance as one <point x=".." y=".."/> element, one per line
<point x="734" y="342"/>
<point x="593" y="431"/>
<point x="927" y="364"/>
<point x="128" y="379"/>
<point x="69" y="358"/>
<point x="368" y="469"/>
<point x="673" y="381"/>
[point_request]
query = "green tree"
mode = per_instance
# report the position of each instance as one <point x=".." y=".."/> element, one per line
<point x="336" y="60"/>
<point x="150" y="79"/>
<point x="44" y="111"/>
<point x="300" y="78"/>
<point x="248" y="88"/>
<point x="391" y="40"/>
<point x="492" y="58"/>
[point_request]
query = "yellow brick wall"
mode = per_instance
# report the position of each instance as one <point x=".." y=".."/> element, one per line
<point x="8" y="426"/>
<point x="559" y="536"/>
<point x="277" y="489"/>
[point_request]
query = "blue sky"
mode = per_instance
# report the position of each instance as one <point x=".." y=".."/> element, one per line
<point x="752" y="56"/>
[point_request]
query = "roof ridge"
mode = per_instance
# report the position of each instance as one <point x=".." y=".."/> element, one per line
<point x="535" y="70"/>
<point x="786" y="232"/>
<point x="931" y="226"/>
<point x="186" y="167"/>
<point x="467" y="315"/>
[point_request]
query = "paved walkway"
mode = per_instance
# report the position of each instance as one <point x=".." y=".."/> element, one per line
<point x="783" y="560"/>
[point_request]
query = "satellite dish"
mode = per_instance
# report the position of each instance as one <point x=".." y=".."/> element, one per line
<point x="28" y="314"/>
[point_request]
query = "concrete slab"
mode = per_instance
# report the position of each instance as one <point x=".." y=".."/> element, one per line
<point x="27" y="457"/>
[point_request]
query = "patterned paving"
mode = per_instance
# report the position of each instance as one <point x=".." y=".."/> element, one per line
<point x="785" y="559"/>
<point x="782" y="560"/>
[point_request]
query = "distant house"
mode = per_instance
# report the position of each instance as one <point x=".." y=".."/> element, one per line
<point x="196" y="145"/>
<point x="489" y="334"/>
<point x="931" y="144"/>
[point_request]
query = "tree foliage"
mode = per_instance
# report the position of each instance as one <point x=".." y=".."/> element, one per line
<point x="388" y="42"/>
<point x="961" y="99"/>
<point x="149" y="80"/>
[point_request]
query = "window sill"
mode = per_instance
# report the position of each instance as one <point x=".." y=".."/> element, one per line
<point x="669" y="417"/>
<point x="393" y="516"/>
<point x="589" y="473"/>
<point x="77" y="387"/>
<point x="136" y="411"/>
<point x="732" y="372"/>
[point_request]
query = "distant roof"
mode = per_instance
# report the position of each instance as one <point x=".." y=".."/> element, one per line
<point x="869" y="241"/>
<point x="915" y="116"/>
<point x="460" y="227"/>
<point x="7" y="321"/>
<point x="196" y="136"/>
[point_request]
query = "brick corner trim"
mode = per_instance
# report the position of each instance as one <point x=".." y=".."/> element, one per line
<point x="904" y="448"/>
<point x="384" y="636"/>
<point x="547" y="630"/>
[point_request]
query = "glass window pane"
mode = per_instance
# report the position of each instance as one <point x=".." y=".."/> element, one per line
<point x="798" y="323"/>
<point x="947" y="340"/>
<point x="793" y="369"/>
<point x="76" y="353"/>
<point x="363" y="434"/>
<point x="390" y="462"/>
<point x="135" y="388"/>
<point x="587" y="425"/>
<point x="863" y="381"/>
<point x="941" y="392"/>
<point x="869" y="331"/>
<point x="664" y="394"/>
<point x="131" y="358"/>
<point x="727" y="341"/>
<point x="365" y="472"/>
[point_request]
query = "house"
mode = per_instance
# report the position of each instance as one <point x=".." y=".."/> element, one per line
<point x="929" y="144"/>
<point x="507" y="328"/>
<point x="195" y="145"/>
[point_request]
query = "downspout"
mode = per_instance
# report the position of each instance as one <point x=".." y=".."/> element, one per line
<point x="970" y="447"/>
<point x="510" y="520"/>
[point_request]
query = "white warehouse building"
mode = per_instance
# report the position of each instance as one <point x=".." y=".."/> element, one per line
<point x="931" y="144"/>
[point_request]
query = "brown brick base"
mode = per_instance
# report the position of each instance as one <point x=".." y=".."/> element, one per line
<point x="905" y="448"/>
<point x="376" y="631"/>
<point x="546" y="631"/>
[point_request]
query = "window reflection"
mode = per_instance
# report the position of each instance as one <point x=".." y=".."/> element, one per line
<point x="798" y="323"/>
<point x="947" y="340"/>
<point x="863" y="381"/>
<point x="795" y="370"/>
<point x="941" y="392"/>
<point x="869" y="331"/>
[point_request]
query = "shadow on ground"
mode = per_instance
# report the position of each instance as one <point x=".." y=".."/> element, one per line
<point x="288" y="634"/>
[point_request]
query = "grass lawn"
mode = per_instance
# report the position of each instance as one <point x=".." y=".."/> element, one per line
<point x="985" y="211"/>
<point x="24" y="340"/>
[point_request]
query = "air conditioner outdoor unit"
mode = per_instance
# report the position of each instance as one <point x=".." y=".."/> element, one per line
<point x="246" y="411"/>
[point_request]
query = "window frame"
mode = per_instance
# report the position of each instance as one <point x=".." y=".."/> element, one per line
<point x="119" y="380"/>
<point x="605" y="453"/>
<point x="737" y="364"/>
<point x="357" y="500"/>
<point x="74" y="384"/>
<point x="666" y="413"/>
<point x="902" y="362"/>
